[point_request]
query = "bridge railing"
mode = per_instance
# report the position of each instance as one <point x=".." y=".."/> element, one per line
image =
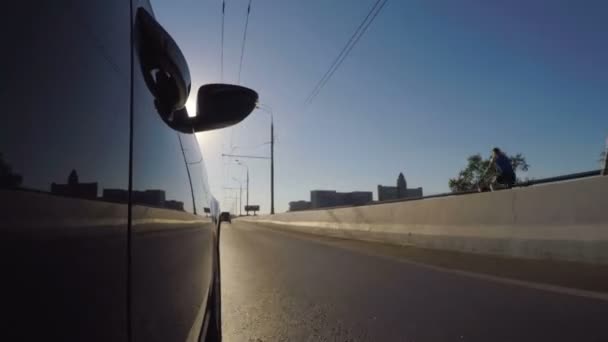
<point x="532" y="182"/>
<point x="565" y="218"/>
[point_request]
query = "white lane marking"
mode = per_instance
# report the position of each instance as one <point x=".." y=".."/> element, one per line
<point x="522" y="283"/>
<point x="515" y="282"/>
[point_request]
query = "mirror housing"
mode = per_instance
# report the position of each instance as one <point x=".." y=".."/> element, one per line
<point x="164" y="67"/>
<point x="222" y="105"/>
<point x="167" y="76"/>
<point x="217" y="106"/>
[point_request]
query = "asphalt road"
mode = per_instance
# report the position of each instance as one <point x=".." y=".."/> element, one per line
<point x="288" y="287"/>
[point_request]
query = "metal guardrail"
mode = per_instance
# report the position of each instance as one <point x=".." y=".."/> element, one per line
<point x="533" y="182"/>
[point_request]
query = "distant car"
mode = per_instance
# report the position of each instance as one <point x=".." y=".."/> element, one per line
<point x="225" y="217"/>
<point x="103" y="231"/>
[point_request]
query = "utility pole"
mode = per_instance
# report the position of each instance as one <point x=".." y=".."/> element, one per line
<point x="271" y="165"/>
<point x="271" y="158"/>
<point x="268" y="110"/>
<point x="181" y="146"/>
<point x="237" y="200"/>
<point x="240" y="196"/>
<point x="234" y="203"/>
<point x="239" y="162"/>
<point x="605" y="169"/>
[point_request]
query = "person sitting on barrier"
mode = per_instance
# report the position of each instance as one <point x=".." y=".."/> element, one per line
<point x="505" y="175"/>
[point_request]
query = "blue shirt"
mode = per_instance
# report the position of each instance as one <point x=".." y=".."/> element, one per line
<point x="503" y="164"/>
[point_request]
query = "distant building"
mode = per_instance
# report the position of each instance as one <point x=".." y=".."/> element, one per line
<point x="115" y="195"/>
<point x="401" y="186"/>
<point x="74" y="188"/>
<point x="175" y="205"/>
<point x="153" y="198"/>
<point x="299" y="205"/>
<point x="386" y="193"/>
<point x="332" y="198"/>
<point x="357" y="197"/>
<point x="323" y="198"/>
<point x="8" y="179"/>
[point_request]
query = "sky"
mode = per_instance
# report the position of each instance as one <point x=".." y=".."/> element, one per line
<point x="430" y="83"/>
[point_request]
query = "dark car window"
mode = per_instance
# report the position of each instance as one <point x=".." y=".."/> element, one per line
<point x="64" y="140"/>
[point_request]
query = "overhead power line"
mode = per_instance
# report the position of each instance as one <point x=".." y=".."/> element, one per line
<point x="361" y="29"/>
<point x="337" y="59"/>
<point x="244" y="40"/>
<point x="222" y="43"/>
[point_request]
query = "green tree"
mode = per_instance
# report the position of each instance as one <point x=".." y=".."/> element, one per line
<point x="473" y="174"/>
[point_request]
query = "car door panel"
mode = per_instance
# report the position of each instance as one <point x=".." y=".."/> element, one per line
<point x="173" y="241"/>
<point x="64" y="140"/>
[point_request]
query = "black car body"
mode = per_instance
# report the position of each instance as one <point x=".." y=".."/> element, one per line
<point x="104" y="236"/>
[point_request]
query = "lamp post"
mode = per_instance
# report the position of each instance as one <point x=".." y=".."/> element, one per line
<point x="247" y="182"/>
<point x="233" y="205"/>
<point x="268" y="110"/>
<point x="605" y="168"/>
<point x="240" y="195"/>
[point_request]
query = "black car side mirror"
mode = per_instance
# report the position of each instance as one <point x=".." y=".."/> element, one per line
<point x="217" y="106"/>
<point x="167" y="76"/>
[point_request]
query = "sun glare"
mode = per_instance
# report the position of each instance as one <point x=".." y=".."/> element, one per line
<point x="191" y="105"/>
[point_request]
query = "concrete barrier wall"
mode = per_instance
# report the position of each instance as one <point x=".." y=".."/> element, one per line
<point x="564" y="221"/>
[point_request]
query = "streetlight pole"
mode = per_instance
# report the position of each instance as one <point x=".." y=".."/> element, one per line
<point x="271" y="166"/>
<point x="240" y="196"/>
<point x="268" y="110"/>
<point x="239" y="163"/>
<point x="605" y="168"/>
<point x="233" y="199"/>
<point x="247" y="186"/>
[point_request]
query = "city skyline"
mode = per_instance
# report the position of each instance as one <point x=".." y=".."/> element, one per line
<point x="428" y="85"/>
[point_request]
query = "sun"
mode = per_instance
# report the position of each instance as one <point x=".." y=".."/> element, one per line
<point x="191" y="105"/>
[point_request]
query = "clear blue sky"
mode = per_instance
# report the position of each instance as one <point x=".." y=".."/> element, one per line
<point x="430" y="83"/>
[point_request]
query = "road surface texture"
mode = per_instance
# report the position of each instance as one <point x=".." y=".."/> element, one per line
<point x="279" y="286"/>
